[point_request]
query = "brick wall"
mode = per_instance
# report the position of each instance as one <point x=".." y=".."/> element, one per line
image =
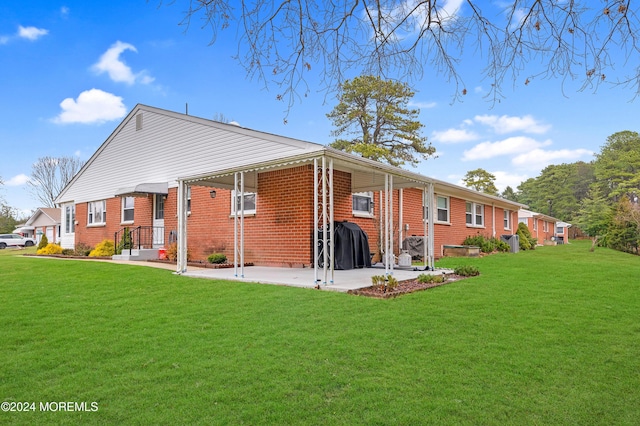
<point x="280" y="232"/>
<point x="93" y="235"/>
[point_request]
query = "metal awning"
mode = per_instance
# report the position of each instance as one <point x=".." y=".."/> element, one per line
<point x="23" y="229"/>
<point x="143" y="189"/>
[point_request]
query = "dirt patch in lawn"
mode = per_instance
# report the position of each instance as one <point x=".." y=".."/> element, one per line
<point x="404" y="287"/>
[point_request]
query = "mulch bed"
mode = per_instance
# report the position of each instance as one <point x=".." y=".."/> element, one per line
<point x="404" y="287"/>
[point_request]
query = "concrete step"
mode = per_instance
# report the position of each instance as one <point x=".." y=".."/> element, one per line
<point x="137" y="254"/>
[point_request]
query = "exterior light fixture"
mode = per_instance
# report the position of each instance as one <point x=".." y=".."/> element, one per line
<point x="212" y="193"/>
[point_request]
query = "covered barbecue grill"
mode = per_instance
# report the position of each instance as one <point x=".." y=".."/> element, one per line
<point x="351" y="246"/>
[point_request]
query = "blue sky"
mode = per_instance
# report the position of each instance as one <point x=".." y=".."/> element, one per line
<point x="72" y="70"/>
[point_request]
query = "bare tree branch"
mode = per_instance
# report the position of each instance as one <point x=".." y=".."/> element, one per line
<point x="49" y="176"/>
<point x="281" y="42"/>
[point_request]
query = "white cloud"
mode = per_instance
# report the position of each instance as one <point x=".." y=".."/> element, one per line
<point x="4" y="39"/>
<point x="92" y="106"/>
<point x="424" y="105"/>
<point x="453" y="136"/>
<point x="538" y="158"/>
<point x="509" y="146"/>
<point x="506" y="124"/>
<point x="118" y="71"/>
<point x="64" y="11"/>
<point x="31" y="33"/>
<point x="18" y="180"/>
<point x="504" y="179"/>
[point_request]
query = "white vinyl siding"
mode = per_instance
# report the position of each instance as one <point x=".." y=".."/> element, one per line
<point x="161" y="146"/>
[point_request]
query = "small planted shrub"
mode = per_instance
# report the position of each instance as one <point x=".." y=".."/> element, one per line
<point x="527" y="242"/>
<point x="487" y="245"/>
<point x="466" y="271"/>
<point x="384" y="284"/>
<point x="50" y="249"/>
<point x="82" y="249"/>
<point x="43" y="242"/>
<point x="104" y="249"/>
<point x="125" y="241"/>
<point x="392" y="283"/>
<point x="68" y="252"/>
<point x="378" y="281"/>
<point x="172" y="252"/>
<point x="217" y="258"/>
<point x="428" y="279"/>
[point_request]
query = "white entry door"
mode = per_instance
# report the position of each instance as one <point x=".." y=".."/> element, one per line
<point x="158" y="220"/>
<point x="49" y="234"/>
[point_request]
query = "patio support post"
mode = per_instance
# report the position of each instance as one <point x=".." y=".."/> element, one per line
<point x="383" y="250"/>
<point x="331" y="225"/>
<point x="400" y="217"/>
<point x="430" y="221"/>
<point x="315" y="221"/>
<point x="238" y="224"/>
<point x="425" y="219"/>
<point x="235" y="227"/>
<point x="242" y="224"/>
<point x="392" y="260"/>
<point x="386" y="225"/>
<point x="182" y="228"/>
<point x="325" y="255"/>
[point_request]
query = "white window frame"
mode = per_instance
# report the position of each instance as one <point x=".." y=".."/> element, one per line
<point x="507" y="219"/>
<point x="446" y="209"/>
<point x="188" y="200"/>
<point x="439" y="209"/>
<point x="95" y="208"/>
<point x="235" y="198"/>
<point x="535" y="224"/>
<point x="363" y="195"/>
<point x="127" y="208"/>
<point x="560" y="230"/>
<point x="545" y="226"/>
<point x="474" y="214"/>
<point x="70" y="219"/>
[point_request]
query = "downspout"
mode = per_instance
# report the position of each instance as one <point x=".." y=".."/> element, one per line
<point x="493" y="207"/>
<point x="182" y="228"/>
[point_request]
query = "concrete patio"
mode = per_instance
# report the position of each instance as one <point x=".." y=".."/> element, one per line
<point x="304" y="277"/>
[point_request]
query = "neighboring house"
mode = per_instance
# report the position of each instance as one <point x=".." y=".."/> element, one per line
<point x="24" y="230"/>
<point x="216" y="187"/>
<point x="45" y="221"/>
<point x="541" y="226"/>
<point x="562" y="232"/>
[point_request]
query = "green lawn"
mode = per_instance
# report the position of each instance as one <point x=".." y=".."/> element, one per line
<point x="544" y="337"/>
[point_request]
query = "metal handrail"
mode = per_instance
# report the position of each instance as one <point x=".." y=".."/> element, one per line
<point x="138" y="237"/>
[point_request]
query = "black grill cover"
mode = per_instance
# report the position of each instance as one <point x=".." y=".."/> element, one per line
<point x="351" y="247"/>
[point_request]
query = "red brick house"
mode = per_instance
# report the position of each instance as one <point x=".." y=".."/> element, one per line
<point x="257" y="197"/>
<point x="44" y="221"/>
<point x="541" y="226"/>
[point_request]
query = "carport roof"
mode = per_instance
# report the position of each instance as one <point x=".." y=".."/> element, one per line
<point x="366" y="175"/>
